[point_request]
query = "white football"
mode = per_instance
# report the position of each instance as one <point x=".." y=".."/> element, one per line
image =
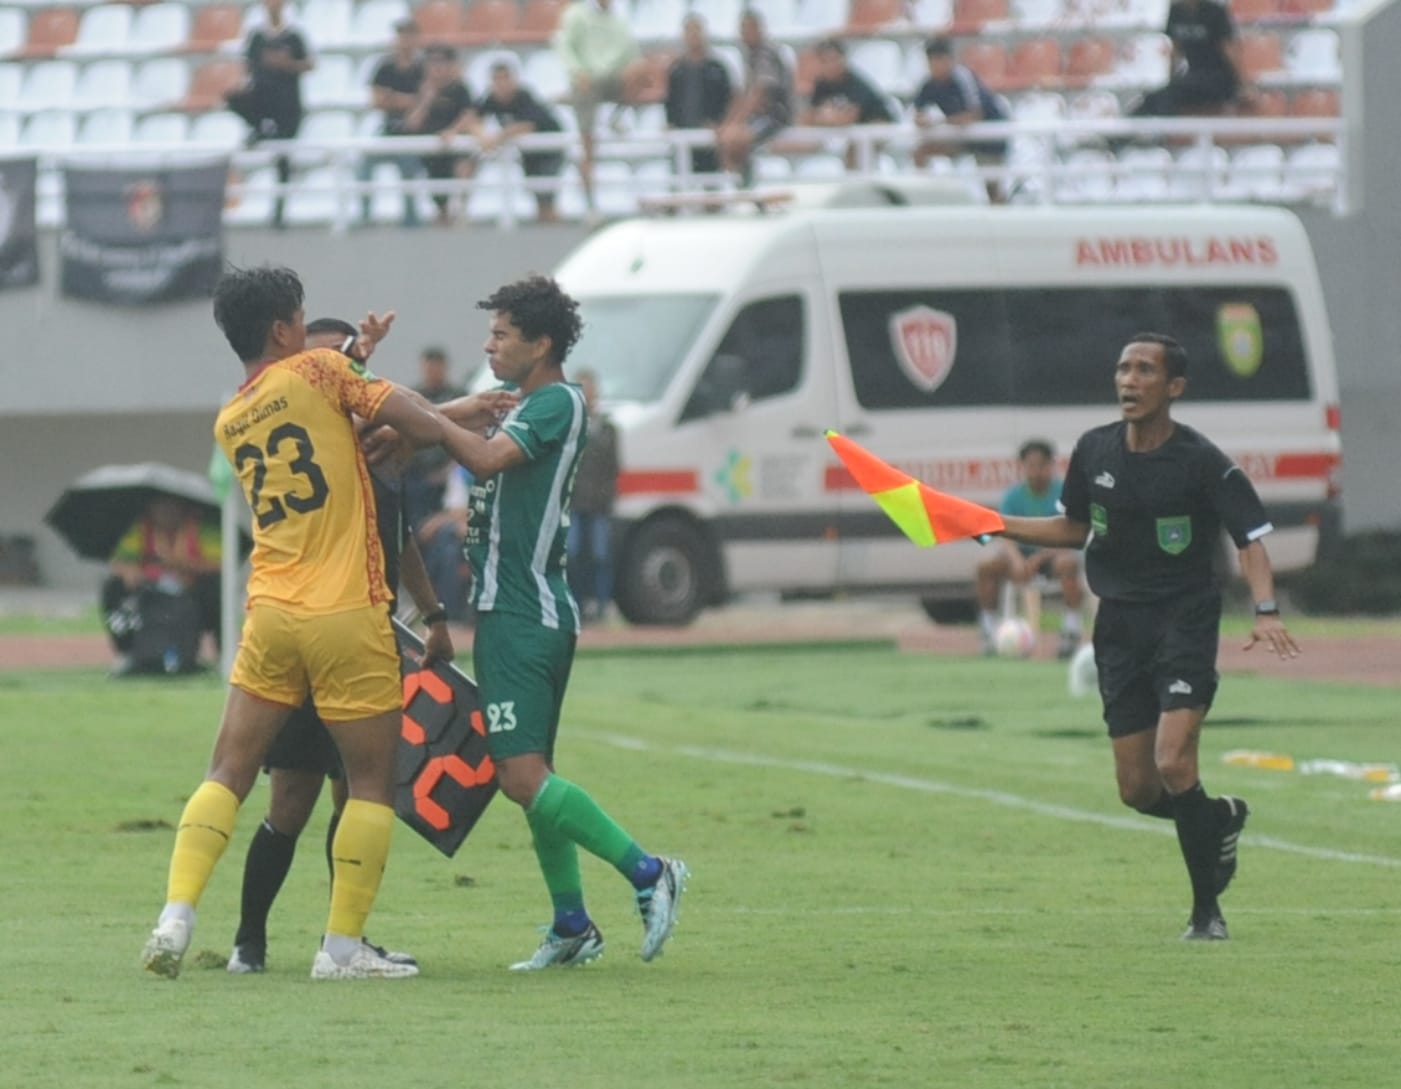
<point x="1084" y="674"/>
<point x="1014" y="638"/>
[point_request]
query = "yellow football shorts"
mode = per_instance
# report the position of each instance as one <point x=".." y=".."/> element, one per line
<point x="348" y="661"/>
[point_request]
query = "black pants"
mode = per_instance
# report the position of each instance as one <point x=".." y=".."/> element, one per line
<point x="1193" y="92"/>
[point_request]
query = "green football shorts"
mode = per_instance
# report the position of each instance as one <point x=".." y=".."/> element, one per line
<point x="522" y="671"/>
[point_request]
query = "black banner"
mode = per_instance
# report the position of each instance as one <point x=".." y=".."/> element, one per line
<point x="143" y="235"/>
<point x="19" y="255"/>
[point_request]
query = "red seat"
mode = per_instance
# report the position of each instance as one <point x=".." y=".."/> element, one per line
<point x="988" y="60"/>
<point x="539" y="20"/>
<point x="1253" y="11"/>
<point x="1316" y="102"/>
<point x="1267" y="103"/>
<point x="1307" y="7"/>
<point x="49" y="31"/>
<point x="1034" y="64"/>
<point x="1260" y="53"/>
<point x="867" y="17"/>
<point x="1088" y="58"/>
<point x="214" y="24"/>
<point x="489" y="22"/>
<point x="440" y="20"/>
<point x="970" y="15"/>
<point x="211" y="82"/>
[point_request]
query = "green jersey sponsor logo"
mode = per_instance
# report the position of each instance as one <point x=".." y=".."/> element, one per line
<point x="1175" y="534"/>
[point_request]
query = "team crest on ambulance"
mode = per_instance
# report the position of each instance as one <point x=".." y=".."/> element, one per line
<point x="925" y="341"/>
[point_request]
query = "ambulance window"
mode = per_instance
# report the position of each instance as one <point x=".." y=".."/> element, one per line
<point x="920" y="349"/>
<point x="1243" y="343"/>
<point x="760" y="356"/>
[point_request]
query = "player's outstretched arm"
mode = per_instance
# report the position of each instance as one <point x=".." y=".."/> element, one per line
<point x="418" y="425"/>
<point x="480" y="411"/>
<point x="1058" y="531"/>
<point x="483" y="457"/>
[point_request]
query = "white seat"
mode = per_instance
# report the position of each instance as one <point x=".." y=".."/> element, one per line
<point x="544" y="73"/>
<point x="653" y="177"/>
<point x="1144" y="62"/>
<point x="1087" y="176"/>
<point x="1313" y="171"/>
<point x="14" y="25"/>
<point x="332" y="83"/>
<point x="102" y="29"/>
<point x="9" y="130"/>
<point x="649" y="120"/>
<point x="772" y="168"/>
<point x="821" y="16"/>
<point x="613" y="189"/>
<point x="112" y="126"/>
<point x="255" y="16"/>
<point x="1314" y="56"/>
<point x="159" y="28"/>
<point x="931" y="15"/>
<point x="11" y="81"/>
<point x="883" y="62"/>
<point x="780" y="18"/>
<point x="312" y="197"/>
<point x="47" y="85"/>
<point x="1200" y="173"/>
<point x="1038" y="106"/>
<point x="1257" y="172"/>
<point x="160" y="83"/>
<point x="488" y="198"/>
<point x="321" y="126"/>
<point x="722" y="17"/>
<point x="217" y="130"/>
<point x="162" y="128"/>
<point x="1144" y="175"/>
<point x="373" y="24"/>
<point x="1036" y="14"/>
<point x="1123" y="14"/>
<point x="820" y="167"/>
<point x="102" y="84"/>
<point x="49" y="130"/>
<point x="250" y="197"/>
<point x="657" y="20"/>
<point x="328" y="23"/>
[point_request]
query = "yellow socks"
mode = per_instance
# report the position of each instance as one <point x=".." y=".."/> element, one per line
<point x="359" y="852"/>
<point x="205" y="828"/>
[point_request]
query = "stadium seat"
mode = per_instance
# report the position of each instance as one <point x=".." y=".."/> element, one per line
<point x="9" y="131"/>
<point x="215" y="25"/>
<point x="14" y="25"/>
<point x="103" y="83"/>
<point x="441" y="20"/>
<point x="217" y="130"/>
<point x="49" y="130"/>
<point x="1257" y="172"/>
<point x="47" y="85"/>
<point x="249" y="200"/>
<point x="1245" y="12"/>
<point x="1200" y="173"/>
<point x="11" y="80"/>
<point x="1313" y="56"/>
<point x="1039" y="106"/>
<point x="818" y="18"/>
<point x="882" y="61"/>
<point x="823" y="166"/>
<point x="1144" y="62"/>
<point x="489" y="22"/>
<point x="931" y="16"/>
<point x="1086" y="177"/>
<point x="373" y="26"/>
<point x="657" y="20"/>
<point x="1088" y="59"/>
<point x="545" y="75"/>
<point x="50" y="29"/>
<point x="160" y="84"/>
<point x="211" y="82"/>
<point x="333" y="83"/>
<point x="323" y="126"/>
<point x="111" y="126"/>
<point x="539" y="20"/>
<point x="1034" y="64"/>
<point x="1313" y="170"/>
<point x="159" y="28"/>
<point x="1315" y="102"/>
<point x="969" y="16"/>
<point x="1093" y="106"/>
<point x="1037" y="14"/>
<point x="488" y="196"/>
<point x="781" y="17"/>
<point x="1133" y="15"/>
<point x="162" y="128"/>
<point x="328" y="23"/>
<point x="988" y="59"/>
<point x="1307" y="7"/>
<point x="1261" y="54"/>
<point x="1267" y="102"/>
<point x="649" y="120"/>
<point x="722" y="17"/>
<point x="772" y="168"/>
<point x="102" y="29"/>
<point x="1143" y="176"/>
<point x="873" y="16"/>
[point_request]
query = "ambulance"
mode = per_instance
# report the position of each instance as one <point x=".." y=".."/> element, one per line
<point x="940" y="336"/>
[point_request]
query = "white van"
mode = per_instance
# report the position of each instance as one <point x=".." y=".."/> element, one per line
<point x="940" y="338"/>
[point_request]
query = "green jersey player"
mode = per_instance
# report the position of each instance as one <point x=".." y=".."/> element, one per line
<point x="528" y="622"/>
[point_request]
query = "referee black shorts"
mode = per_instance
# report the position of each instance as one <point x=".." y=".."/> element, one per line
<point x="1156" y="656"/>
<point x="304" y="744"/>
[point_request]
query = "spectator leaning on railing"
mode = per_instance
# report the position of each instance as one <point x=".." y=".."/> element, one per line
<point x="763" y="108"/>
<point x="698" y="92"/>
<point x="841" y="96"/>
<point x="444" y="107"/>
<point x="394" y="90"/>
<point x="954" y="94"/>
<point x="517" y="112"/>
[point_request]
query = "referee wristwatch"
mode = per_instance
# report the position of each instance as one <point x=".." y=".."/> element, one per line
<point x="437" y="616"/>
<point x="1268" y="607"/>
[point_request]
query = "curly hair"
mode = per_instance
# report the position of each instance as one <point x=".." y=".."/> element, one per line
<point x="538" y="306"/>
<point x="248" y="300"/>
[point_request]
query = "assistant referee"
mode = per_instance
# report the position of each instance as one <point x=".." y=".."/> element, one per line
<point x="1147" y="498"/>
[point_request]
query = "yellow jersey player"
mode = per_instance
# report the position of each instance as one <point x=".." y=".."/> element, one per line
<point x="317" y="620"/>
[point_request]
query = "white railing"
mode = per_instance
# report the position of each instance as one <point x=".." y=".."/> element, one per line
<point x="1034" y="170"/>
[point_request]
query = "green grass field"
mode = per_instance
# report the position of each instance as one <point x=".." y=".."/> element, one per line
<point x="907" y="871"/>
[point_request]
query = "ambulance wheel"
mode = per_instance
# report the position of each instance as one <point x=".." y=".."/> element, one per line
<point x="664" y="574"/>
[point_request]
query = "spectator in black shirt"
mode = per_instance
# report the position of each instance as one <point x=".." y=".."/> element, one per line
<point x="517" y="112"/>
<point x="270" y="100"/>
<point x="842" y="97"/>
<point x="1152" y="497"/>
<point x="1204" y="75"/>
<point x="698" y="92"/>
<point x="394" y="90"/>
<point x="763" y="108"/>
<point x="444" y="107"/>
<point x="955" y="95"/>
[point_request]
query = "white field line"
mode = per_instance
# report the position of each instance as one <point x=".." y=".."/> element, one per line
<point x="996" y="797"/>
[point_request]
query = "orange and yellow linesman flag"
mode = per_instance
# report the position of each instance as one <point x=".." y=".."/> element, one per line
<point x="926" y="516"/>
